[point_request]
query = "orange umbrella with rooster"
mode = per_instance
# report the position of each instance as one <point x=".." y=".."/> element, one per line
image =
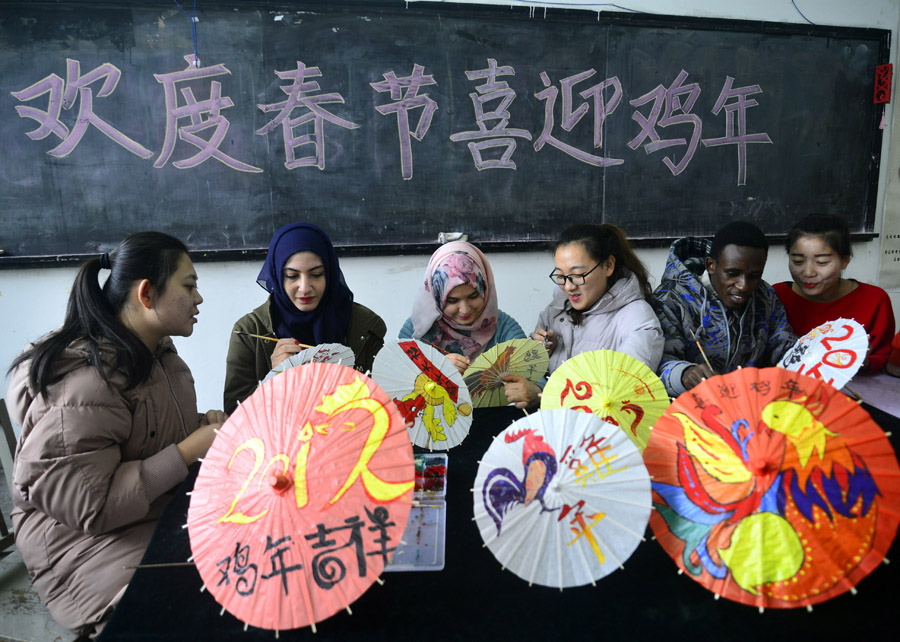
<point x="772" y="488"/>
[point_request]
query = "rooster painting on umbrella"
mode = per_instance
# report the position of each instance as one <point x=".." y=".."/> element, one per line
<point x="765" y="496"/>
<point x="503" y="489"/>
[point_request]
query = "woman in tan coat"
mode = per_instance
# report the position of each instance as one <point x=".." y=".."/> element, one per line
<point x="109" y="426"/>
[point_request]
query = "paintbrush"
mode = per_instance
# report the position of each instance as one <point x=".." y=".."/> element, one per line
<point x="255" y="336"/>
<point x="259" y="336"/>
<point x="438" y="348"/>
<point x="703" y="354"/>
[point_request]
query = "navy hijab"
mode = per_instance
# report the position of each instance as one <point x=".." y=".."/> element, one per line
<point x="328" y="323"/>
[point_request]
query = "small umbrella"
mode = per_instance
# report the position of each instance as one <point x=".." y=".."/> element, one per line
<point x="833" y="352"/>
<point x="519" y="357"/>
<point x="428" y="391"/>
<point x="772" y="488"/>
<point x="302" y="497"/>
<point x="561" y="498"/>
<point x="614" y="386"/>
<point x="322" y="353"/>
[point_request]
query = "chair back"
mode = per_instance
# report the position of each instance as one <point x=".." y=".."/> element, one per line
<point x="7" y="451"/>
<point x="7" y="443"/>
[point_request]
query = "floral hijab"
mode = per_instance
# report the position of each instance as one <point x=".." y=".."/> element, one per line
<point x="328" y="323"/>
<point x="453" y="264"/>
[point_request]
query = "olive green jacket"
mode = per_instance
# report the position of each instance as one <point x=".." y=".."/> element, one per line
<point x="249" y="359"/>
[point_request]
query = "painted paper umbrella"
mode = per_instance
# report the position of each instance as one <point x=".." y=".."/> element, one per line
<point x="614" y="386"/>
<point x="833" y="352"/>
<point x="322" y="353"/>
<point x="428" y="391"/>
<point x="772" y="488"/>
<point x="302" y="497"/>
<point x="520" y="357"/>
<point x="562" y="498"/>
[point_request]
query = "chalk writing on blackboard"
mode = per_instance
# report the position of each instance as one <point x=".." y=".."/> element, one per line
<point x="405" y="94"/>
<point x="64" y="95"/>
<point x="302" y="93"/>
<point x="206" y="126"/>
<point x="776" y="142"/>
<point x="203" y="115"/>
<point x="498" y="134"/>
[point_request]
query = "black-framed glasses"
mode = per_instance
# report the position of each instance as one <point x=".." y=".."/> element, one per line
<point x="574" y="279"/>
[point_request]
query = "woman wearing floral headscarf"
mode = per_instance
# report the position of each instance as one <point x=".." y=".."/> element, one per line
<point x="309" y="303"/>
<point x="456" y="306"/>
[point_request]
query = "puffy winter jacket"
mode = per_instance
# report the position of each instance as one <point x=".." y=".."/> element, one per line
<point x="92" y="466"/>
<point x="621" y="320"/>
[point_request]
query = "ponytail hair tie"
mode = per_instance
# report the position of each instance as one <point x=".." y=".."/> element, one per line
<point x="104" y="261"/>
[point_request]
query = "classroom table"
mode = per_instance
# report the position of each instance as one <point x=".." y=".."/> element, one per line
<point x="473" y="599"/>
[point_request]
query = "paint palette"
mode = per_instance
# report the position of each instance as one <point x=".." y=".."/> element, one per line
<point x="423" y="540"/>
<point x="431" y="476"/>
<point x="422" y="546"/>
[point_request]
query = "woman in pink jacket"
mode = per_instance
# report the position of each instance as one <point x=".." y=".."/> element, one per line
<point x="109" y="426"/>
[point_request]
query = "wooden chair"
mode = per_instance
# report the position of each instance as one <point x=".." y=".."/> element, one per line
<point x="7" y="450"/>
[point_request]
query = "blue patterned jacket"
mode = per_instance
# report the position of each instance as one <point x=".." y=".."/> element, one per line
<point x="758" y="335"/>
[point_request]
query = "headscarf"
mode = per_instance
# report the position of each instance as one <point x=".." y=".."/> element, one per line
<point x="328" y="323"/>
<point x="453" y="264"/>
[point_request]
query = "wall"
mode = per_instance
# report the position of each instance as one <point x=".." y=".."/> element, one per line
<point x="33" y="301"/>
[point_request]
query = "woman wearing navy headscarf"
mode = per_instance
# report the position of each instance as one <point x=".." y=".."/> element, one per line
<point x="309" y="303"/>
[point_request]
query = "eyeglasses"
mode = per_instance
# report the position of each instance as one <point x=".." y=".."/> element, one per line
<point x="574" y="279"/>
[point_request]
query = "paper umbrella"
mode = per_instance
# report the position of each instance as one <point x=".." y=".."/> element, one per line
<point x="302" y="497"/>
<point x="521" y="357"/>
<point x="772" y="488"/>
<point x="833" y="352"/>
<point x="561" y="498"/>
<point x="614" y="386"/>
<point x="428" y="391"/>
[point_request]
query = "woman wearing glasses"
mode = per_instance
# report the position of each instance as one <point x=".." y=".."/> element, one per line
<point x="601" y="304"/>
<point x="456" y="306"/>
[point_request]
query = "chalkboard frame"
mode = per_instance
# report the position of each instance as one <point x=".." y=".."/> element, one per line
<point x="881" y="36"/>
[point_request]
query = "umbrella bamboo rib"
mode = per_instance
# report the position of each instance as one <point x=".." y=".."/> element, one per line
<point x="537" y="557"/>
<point x="608" y="551"/>
<point x="625" y="528"/>
<point x="587" y="565"/>
<point x="559" y="567"/>
<point x="510" y="522"/>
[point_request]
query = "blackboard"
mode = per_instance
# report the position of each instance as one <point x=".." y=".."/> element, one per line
<point x="581" y="119"/>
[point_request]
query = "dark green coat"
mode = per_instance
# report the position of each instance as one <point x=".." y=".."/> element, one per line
<point x="249" y="359"/>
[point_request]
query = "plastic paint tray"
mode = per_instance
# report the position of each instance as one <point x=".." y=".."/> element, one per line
<point x="423" y="540"/>
<point x="422" y="546"/>
<point x="431" y="476"/>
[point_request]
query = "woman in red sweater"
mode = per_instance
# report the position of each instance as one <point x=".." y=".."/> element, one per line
<point x="893" y="364"/>
<point x="819" y="250"/>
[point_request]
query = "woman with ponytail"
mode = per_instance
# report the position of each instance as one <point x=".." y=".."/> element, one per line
<point x="109" y="426"/>
<point x="601" y="304"/>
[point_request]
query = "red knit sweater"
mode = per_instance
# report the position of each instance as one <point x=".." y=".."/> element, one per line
<point x="868" y="305"/>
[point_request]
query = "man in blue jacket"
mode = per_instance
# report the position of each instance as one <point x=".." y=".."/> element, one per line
<point x="712" y="293"/>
